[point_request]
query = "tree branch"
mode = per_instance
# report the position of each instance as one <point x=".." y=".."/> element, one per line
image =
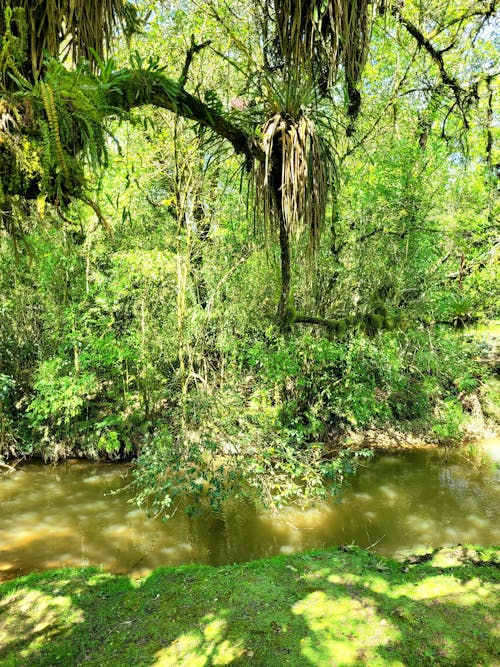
<point x="435" y="54"/>
<point x="136" y="88"/>
<point x="463" y="96"/>
<point x="320" y="321"/>
<point x="194" y="48"/>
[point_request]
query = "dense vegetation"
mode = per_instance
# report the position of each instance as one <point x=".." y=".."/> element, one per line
<point x="224" y="244"/>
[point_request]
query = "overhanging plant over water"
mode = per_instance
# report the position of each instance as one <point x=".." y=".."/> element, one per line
<point x="234" y="451"/>
<point x="269" y="434"/>
<point x="200" y="479"/>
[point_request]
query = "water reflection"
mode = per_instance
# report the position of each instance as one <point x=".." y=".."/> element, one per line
<point x="80" y="515"/>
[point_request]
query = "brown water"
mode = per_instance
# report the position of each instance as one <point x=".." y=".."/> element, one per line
<point x="77" y="515"/>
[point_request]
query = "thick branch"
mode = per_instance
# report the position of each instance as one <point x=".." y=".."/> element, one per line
<point x="435" y="54"/>
<point x="131" y="89"/>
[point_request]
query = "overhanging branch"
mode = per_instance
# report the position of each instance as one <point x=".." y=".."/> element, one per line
<point x="436" y="55"/>
<point x="136" y="88"/>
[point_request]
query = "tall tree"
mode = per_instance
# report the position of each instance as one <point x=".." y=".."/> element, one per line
<point x="312" y="52"/>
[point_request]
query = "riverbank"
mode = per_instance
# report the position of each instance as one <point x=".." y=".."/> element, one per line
<point x="395" y="440"/>
<point x="340" y="606"/>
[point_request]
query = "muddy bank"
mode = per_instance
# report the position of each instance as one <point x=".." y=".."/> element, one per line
<point x="394" y="440"/>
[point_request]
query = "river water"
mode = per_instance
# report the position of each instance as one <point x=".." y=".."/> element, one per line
<point x="81" y="514"/>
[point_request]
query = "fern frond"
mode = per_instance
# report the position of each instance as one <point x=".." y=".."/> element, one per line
<point x="49" y="104"/>
<point x="46" y="160"/>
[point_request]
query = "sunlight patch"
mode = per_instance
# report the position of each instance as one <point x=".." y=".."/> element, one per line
<point x="374" y="582"/>
<point x="444" y="586"/>
<point x="344" y="630"/>
<point x="34" y="618"/>
<point x="198" y="649"/>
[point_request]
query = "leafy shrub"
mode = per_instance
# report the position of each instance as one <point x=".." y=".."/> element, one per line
<point x="312" y="385"/>
<point x="61" y="398"/>
<point x="449" y="417"/>
<point x="234" y="454"/>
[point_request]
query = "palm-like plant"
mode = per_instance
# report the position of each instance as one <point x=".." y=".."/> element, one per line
<point x="76" y="28"/>
<point x="300" y="188"/>
<point x="308" y="41"/>
<point x="323" y="35"/>
<point x="292" y="183"/>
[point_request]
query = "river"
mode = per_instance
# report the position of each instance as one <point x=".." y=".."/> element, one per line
<point x="81" y="514"/>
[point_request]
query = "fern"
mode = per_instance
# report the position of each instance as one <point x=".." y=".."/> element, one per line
<point x="47" y="161"/>
<point x="14" y="48"/>
<point x="51" y="129"/>
<point x="47" y="95"/>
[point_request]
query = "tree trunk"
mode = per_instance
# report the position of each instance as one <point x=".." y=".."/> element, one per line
<point x="286" y="274"/>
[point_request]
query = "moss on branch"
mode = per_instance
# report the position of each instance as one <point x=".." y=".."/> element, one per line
<point x="136" y="88"/>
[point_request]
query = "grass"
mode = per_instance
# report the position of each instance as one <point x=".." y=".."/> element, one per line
<point x="339" y="607"/>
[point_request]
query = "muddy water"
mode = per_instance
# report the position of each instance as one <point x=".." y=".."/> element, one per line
<point x="80" y="515"/>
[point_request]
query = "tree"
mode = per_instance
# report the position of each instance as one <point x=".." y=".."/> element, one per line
<point x="311" y="51"/>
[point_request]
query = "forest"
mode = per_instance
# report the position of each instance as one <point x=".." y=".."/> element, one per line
<point x="235" y="237"/>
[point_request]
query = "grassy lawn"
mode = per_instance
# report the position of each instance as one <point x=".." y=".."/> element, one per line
<point x="334" y="607"/>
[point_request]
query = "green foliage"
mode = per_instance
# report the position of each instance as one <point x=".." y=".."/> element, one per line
<point x="14" y="45"/>
<point x="191" y="475"/>
<point x="450" y="416"/>
<point x="81" y="345"/>
<point x="316" y="385"/>
<point x="319" y="384"/>
<point x="61" y="396"/>
<point x="7" y="383"/>
<point x="157" y="338"/>
<point x="51" y="128"/>
<point x="8" y="444"/>
<point x="231" y="458"/>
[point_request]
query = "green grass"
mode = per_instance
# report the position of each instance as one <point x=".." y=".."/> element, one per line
<point x="339" y="607"/>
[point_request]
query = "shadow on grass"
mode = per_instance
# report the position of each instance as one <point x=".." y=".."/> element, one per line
<point x="336" y="607"/>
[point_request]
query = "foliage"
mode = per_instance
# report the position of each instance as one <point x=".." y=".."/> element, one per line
<point x="8" y="442"/>
<point x="268" y="433"/>
<point x="321" y="38"/>
<point x="50" y="131"/>
<point x="319" y="385"/>
<point x="234" y="454"/>
<point x="92" y="373"/>
<point x="293" y="182"/>
<point x="80" y="31"/>
<point x="158" y="338"/>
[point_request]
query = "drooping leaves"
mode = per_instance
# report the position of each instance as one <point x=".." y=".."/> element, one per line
<point x="323" y="37"/>
<point x="293" y="180"/>
<point x="70" y="28"/>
